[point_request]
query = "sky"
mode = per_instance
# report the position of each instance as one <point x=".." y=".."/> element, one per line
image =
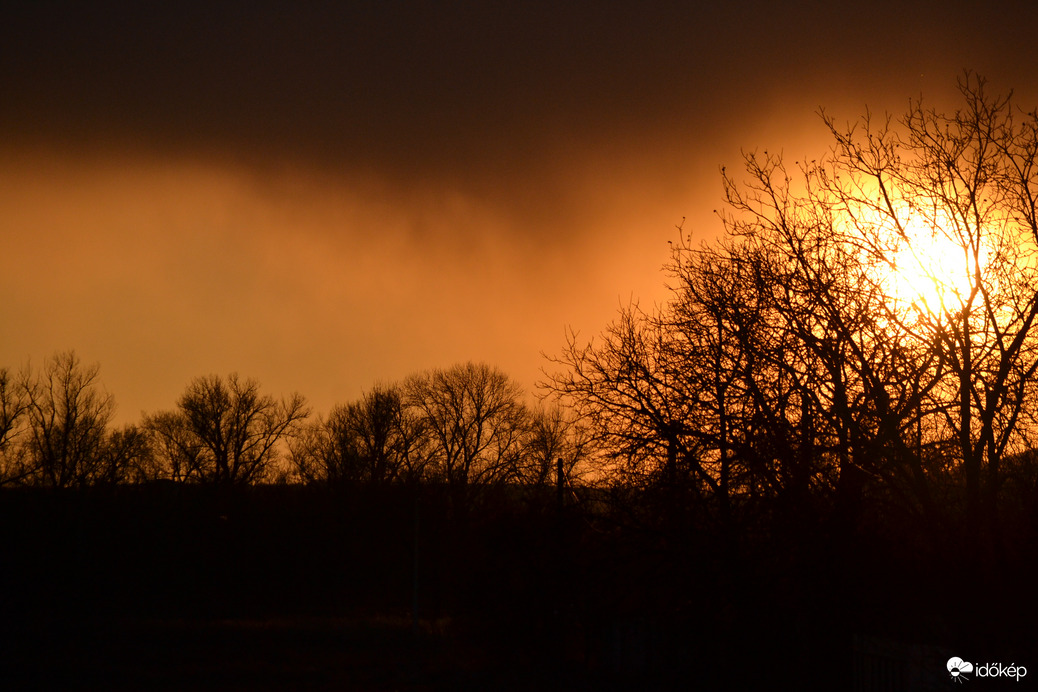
<point x="329" y="195"/>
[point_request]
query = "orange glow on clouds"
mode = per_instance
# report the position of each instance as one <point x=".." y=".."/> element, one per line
<point x="165" y="270"/>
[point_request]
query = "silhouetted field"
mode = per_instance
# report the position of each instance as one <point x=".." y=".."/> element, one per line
<point x="185" y="587"/>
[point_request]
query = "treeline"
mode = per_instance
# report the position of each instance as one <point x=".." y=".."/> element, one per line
<point x="467" y="426"/>
<point x="861" y="343"/>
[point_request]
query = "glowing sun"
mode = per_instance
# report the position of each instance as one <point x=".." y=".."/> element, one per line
<point x="928" y="267"/>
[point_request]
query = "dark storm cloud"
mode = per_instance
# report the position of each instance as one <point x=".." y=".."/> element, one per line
<point x="394" y="81"/>
<point x="408" y="83"/>
<point x="471" y="90"/>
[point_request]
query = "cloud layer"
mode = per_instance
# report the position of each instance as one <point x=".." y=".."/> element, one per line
<point x="327" y="196"/>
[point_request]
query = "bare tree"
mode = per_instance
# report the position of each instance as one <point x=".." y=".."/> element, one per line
<point x="627" y="387"/>
<point x="67" y="424"/>
<point x="552" y="437"/>
<point x="857" y="372"/>
<point x="13" y="406"/>
<point x="725" y="349"/>
<point x="374" y="440"/>
<point x="224" y="431"/>
<point x="177" y="450"/>
<point x="127" y="456"/>
<point x="970" y="180"/>
<point x="475" y="419"/>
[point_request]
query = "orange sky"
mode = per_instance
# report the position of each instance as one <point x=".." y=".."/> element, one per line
<point x="328" y="198"/>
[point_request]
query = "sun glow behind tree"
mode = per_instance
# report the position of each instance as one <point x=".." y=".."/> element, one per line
<point x="869" y="319"/>
<point x="925" y="267"/>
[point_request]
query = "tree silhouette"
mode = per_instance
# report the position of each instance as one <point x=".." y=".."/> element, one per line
<point x="67" y="417"/>
<point x="128" y="455"/>
<point x="13" y="406"/>
<point x="819" y="349"/>
<point x="224" y="431"/>
<point x="855" y="372"/>
<point x="968" y="180"/>
<point x="973" y="178"/>
<point x="475" y="420"/>
<point x="374" y="440"/>
<point x="553" y="437"/>
<point x="622" y="386"/>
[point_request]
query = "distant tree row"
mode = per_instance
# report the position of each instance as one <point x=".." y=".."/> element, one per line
<point x="55" y="431"/>
<point x="466" y="426"/>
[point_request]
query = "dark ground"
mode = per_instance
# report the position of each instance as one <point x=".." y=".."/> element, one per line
<point x="169" y="588"/>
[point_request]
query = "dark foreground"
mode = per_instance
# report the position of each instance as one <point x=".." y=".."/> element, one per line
<point x="163" y="588"/>
<point x="302" y="654"/>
